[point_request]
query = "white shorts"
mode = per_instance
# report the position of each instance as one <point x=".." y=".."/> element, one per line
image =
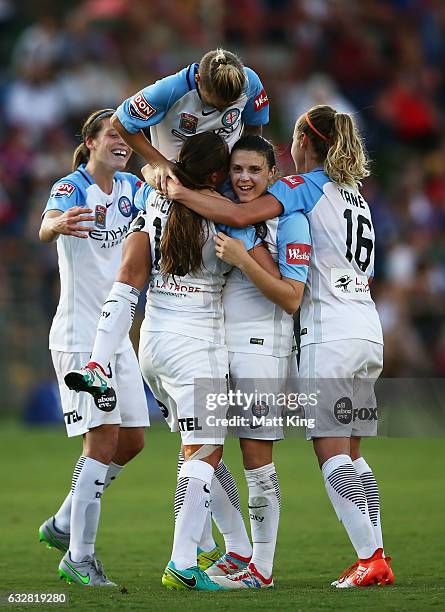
<point x="341" y="376"/>
<point x="183" y="373"/>
<point x="79" y="410"/>
<point x="262" y="381"/>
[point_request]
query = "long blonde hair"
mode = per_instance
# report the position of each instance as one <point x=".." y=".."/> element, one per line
<point x="337" y="144"/>
<point x="222" y="72"/>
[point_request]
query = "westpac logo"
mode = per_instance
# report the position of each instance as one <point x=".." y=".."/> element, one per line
<point x="261" y="100"/>
<point x="298" y="254"/>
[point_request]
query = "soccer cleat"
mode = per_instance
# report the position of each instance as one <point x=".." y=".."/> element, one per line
<point x="192" y="578"/>
<point x="87" y="573"/>
<point x="250" y="578"/>
<point x="206" y="559"/>
<point x="228" y="563"/>
<point x="347" y="572"/>
<point x="53" y="537"/>
<point x="367" y="573"/>
<point x="91" y="379"/>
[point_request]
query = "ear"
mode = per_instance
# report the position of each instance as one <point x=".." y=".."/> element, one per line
<point x="89" y="142"/>
<point x="197" y="77"/>
<point x="304" y="141"/>
<point x="272" y="172"/>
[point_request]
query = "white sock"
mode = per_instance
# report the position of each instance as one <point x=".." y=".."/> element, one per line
<point x="346" y="492"/>
<point x="62" y="517"/>
<point x="115" y="322"/>
<point x="226" y="512"/>
<point x="88" y="485"/>
<point x="372" y="497"/>
<point x="192" y="501"/>
<point x="264" y="513"/>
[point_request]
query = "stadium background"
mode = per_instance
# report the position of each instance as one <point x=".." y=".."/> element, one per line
<point x="381" y="59"/>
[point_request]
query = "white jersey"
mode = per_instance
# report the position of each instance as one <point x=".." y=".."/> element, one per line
<point x="188" y="305"/>
<point x="88" y="266"/>
<point x="337" y="304"/>
<point x="254" y="324"/>
<point x="173" y="110"/>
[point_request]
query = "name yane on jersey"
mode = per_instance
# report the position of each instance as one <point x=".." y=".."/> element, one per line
<point x="111" y="237"/>
<point x="298" y="254"/>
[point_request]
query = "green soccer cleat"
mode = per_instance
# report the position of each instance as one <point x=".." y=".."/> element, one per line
<point x="91" y="379"/>
<point x="53" y="537"/>
<point x="206" y="559"/>
<point x="192" y="578"/>
<point x="87" y="573"/>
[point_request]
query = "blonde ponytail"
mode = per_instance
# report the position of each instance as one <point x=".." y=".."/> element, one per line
<point x="222" y="72"/>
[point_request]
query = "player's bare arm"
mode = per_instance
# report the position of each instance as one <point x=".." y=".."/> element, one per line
<point x="163" y="168"/>
<point x="221" y="210"/>
<point x="69" y="223"/>
<point x="285" y="292"/>
<point x="136" y="261"/>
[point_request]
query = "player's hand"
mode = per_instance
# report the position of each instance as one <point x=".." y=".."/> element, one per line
<point x="70" y="223"/>
<point x="230" y="250"/>
<point x="162" y="172"/>
<point x="148" y="172"/>
<point x="177" y="191"/>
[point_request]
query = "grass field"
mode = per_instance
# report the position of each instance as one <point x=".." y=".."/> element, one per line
<point x="135" y="534"/>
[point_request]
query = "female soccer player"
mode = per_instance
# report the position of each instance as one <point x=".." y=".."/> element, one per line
<point x="341" y="337"/>
<point x="89" y="212"/>
<point x="219" y="94"/>
<point x="259" y="337"/>
<point x="182" y="351"/>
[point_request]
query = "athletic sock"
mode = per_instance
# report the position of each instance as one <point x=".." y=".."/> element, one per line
<point x="62" y="518"/>
<point x="226" y="512"/>
<point x="346" y="492"/>
<point x="372" y="496"/>
<point x="115" y="322"/>
<point x="264" y="513"/>
<point x="87" y="487"/>
<point x="192" y="501"/>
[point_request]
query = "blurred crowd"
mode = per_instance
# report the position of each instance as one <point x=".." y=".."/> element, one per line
<point x="382" y="60"/>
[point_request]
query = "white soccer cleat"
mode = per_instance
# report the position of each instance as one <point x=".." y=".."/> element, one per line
<point x="249" y="578"/>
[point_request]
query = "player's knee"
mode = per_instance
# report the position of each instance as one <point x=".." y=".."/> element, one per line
<point x="210" y="453"/>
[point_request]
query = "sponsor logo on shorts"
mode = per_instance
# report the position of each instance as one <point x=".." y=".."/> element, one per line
<point x="140" y="108"/>
<point x="124" y="205"/>
<point x="292" y="181"/>
<point x="343" y="410"/>
<point x="62" y="189"/>
<point x="72" y="417"/>
<point x="106" y="401"/>
<point x="100" y="215"/>
<point x="365" y="414"/>
<point x="189" y="424"/>
<point x="188" y="123"/>
<point x="261" y="101"/>
<point x="230" y="117"/>
<point x="259" y="341"/>
<point x="298" y="254"/>
<point x="260" y="410"/>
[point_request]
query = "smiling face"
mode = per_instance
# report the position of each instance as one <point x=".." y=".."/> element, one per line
<point x="108" y="148"/>
<point x="250" y="174"/>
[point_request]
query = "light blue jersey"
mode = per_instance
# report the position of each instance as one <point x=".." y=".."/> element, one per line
<point x="337" y="304"/>
<point x="185" y="304"/>
<point x="88" y="266"/>
<point x="173" y="110"/>
<point x="254" y="324"/>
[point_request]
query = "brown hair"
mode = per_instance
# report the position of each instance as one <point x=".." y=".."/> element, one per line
<point x="337" y="144"/>
<point x="222" y="72"/>
<point x="90" y="128"/>
<point x="185" y="233"/>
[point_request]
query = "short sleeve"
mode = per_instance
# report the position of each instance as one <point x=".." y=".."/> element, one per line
<point x="150" y="105"/>
<point x="141" y="196"/>
<point x="294" y="246"/>
<point x="64" y="195"/>
<point x="289" y="191"/>
<point x="256" y="111"/>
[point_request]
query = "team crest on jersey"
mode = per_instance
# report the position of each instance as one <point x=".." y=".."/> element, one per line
<point x="230" y="117"/>
<point x="188" y="123"/>
<point x="298" y="254"/>
<point x="139" y="108"/>
<point x="292" y="181"/>
<point x="100" y="216"/>
<point x="261" y="101"/>
<point x="63" y="189"/>
<point x="124" y="205"/>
